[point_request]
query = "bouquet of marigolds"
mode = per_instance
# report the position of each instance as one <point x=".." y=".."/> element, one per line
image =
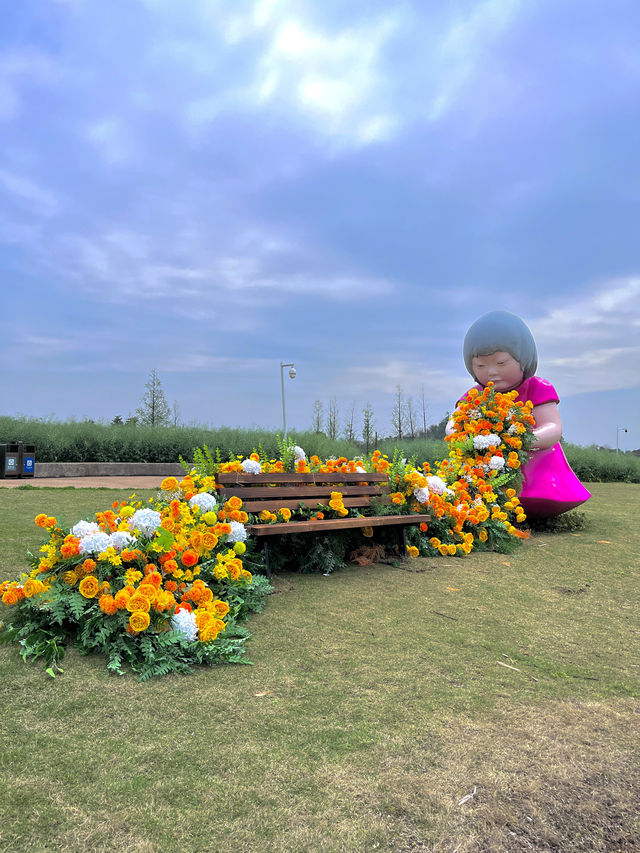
<point x="473" y="495"/>
<point x="157" y="588"/>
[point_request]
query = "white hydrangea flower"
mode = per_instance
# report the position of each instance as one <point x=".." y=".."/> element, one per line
<point x="205" y="501"/>
<point x="121" y="539"/>
<point x="238" y="532"/>
<point x="185" y="622"/>
<point x="422" y="495"/>
<point x="496" y="463"/>
<point x="250" y="466"/>
<point x="146" y="521"/>
<point x="484" y="442"/>
<point x="94" y="543"/>
<point x="436" y="485"/>
<point x="85" y="528"/>
<point x="360" y="470"/>
<point x="299" y="453"/>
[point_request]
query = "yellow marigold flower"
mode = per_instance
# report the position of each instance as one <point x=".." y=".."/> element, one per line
<point x="368" y="532"/>
<point x="126" y="512"/>
<point x="89" y="586"/>
<point x="149" y="591"/>
<point x="138" y="601"/>
<point x="452" y="550"/>
<point x="132" y="576"/>
<point x="210" y="540"/>
<point x="285" y="512"/>
<point x="139" y="621"/>
<point x="483" y="535"/>
<point x="169" y="484"/>
<point x="434" y="541"/>
<point x="210" y="517"/>
<point x="246" y="575"/>
<point x="69" y="578"/>
<point x="521" y="517"/>
<point x="239" y="548"/>
<point x="32" y="587"/>
<point x="412" y="551"/>
<point x="444" y="549"/>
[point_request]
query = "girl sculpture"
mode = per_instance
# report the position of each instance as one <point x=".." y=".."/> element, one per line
<point x="499" y="348"/>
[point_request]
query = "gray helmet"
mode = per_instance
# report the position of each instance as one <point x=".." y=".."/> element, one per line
<point x="499" y="331"/>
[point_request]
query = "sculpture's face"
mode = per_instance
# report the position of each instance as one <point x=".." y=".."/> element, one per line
<point x="501" y="368"/>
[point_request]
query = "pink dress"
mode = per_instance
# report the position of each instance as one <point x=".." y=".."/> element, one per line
<point x="549" y="486"/>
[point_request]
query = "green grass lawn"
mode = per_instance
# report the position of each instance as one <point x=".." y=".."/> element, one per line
<point x="379" y="697"/>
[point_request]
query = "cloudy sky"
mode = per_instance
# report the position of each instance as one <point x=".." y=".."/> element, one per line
<point x="209" y="188"/>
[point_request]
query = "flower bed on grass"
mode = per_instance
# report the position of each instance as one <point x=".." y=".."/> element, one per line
<point x="163" y="587"/>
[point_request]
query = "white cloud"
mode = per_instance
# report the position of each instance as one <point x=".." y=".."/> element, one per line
<point x="28" y="194"/>
<point x="112" y="139"/>
<point x="384" y="377"/>
<point x="591" y="344"/>
<point x="18" y="67"/>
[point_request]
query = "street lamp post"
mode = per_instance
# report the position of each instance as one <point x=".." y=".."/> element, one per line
<point x="618" y="431"/>
<point x="292" y="375"/>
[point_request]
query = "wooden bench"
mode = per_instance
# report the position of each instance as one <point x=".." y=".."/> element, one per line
<point x="277" y="490"/>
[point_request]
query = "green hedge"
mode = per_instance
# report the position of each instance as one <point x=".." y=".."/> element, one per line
<point x="81" y="441"/>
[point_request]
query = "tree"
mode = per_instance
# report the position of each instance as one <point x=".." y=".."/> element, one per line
<point x="411" y="417"/>
<point x="316" y="423"/>
<point x="367" y="427"/>
<point x="117" y="421"/>
<point x="175" y="415"/>
<point x="424" y="415"/>
<point x="398" y="414"/>
<point x="437" y="431"/>
<point x="332" y="419"/>
<point x="349" y="432"/>
<point x="154" y="409"/>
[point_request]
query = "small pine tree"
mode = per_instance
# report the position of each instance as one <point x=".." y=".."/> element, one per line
<point x="154" y="409"/>
<point x="367" y="427"/>
<point x="117" y="421"/>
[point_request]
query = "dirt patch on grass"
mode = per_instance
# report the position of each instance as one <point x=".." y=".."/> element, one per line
<point x="562" y="778"/>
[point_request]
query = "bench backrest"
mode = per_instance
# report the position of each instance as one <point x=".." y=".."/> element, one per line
<point x="273" y="491"/>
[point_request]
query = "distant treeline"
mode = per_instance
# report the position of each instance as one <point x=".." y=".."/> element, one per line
<point x="82" y="441"/>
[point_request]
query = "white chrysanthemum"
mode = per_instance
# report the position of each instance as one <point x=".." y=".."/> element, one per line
<point x="360" y="470"/>
<point x="185" y="622"/>
<point x="250" y="466"/>
<point x="484" y="442"/>
<point x="121" y="539"/>
<point x="238" y="532"/>
<point x="94" y="543"/>
<point x="299" y="453"/>
<point x="205" y="501"/>
<point x="85" y="528"/>
<point x="422" y="495"/>
<point x="146" y="521"/>
<point x="474" y="413"/>
<point x="496" y="463"/>
<point x="436" y="485"/>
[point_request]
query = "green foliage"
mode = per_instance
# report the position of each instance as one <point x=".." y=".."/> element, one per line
<point x="569" y="522"/>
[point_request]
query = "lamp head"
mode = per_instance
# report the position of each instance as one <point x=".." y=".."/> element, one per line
<point x="292" y="372"/>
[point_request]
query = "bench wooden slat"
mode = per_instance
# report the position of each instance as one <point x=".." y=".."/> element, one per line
<point x="274" y="505"/>
<point x="240" y="477"/>
<point x="327" y="525"/>
<point x="301" y="492"/>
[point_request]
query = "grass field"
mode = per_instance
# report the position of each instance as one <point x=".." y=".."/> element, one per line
<point x="379" y="698"/>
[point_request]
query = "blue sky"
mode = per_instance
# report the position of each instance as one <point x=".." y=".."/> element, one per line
<point x="209" y="188"/>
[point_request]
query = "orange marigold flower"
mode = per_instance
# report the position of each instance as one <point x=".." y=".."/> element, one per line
<point x="209" y="540"/>
<point x="10" y="596"/>
<point x="108" y="604"/>
<point x="121" y="598"/>
<point x="41" y="520"/>
<point x="89" y="586"/>
<point x="285" y="512"/>
<point x="170" y="566"/>
<point x="169" y="484"/>
<point x="149" y="591"/>
<point x="423" y="526"/>
<point x="220" y="608"/>
<point x="233" y="503"/>
<point x="189" y="558"/>
<point x="167" y="524"/>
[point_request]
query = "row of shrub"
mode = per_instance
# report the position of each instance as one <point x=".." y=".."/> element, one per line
<point x="80" y="441"/>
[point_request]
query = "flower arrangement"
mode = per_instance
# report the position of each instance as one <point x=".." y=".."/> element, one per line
<point x="159" y="587"/>
<point x="163" y="587"/>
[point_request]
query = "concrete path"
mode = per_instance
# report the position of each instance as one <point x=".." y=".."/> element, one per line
<point x="131" y="482"/>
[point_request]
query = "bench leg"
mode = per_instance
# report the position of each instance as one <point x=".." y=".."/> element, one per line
<point x="267" y="568"/>
<point x="402" y="542"/>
